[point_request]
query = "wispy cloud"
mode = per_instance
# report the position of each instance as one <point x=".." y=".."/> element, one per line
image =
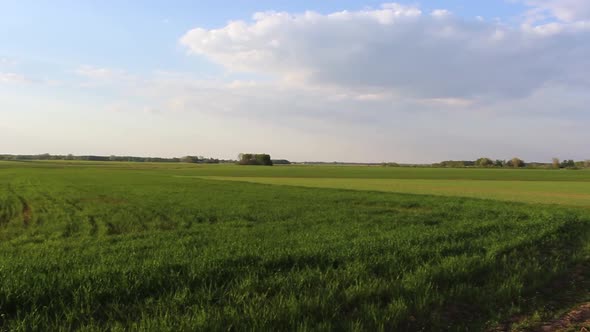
<point x="13" y="78"/>
<point x="5" y="61"/>
<point x="99" y="75"/>
<point x="563" y="10"/>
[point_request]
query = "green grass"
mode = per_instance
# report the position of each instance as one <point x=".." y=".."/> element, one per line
<point x="120" y="246"/>
<point x="567" y="193"/>
<point x="324" y="171"/>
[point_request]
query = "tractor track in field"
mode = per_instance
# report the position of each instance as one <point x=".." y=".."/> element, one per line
<point x="27" y="212"/>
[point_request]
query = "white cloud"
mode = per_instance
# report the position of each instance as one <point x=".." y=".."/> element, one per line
<point x="438" y="83"/>
<point x="20" y="79"/>
<point x="327" y="122"/>
<point x="100" y="74"/>
<point x="564" y="10"/>
<point x="4" y="61"/>
<point x="397" y="47"/>
<point x="380" y="124"/>
<point x="441" y="13"/>
<point x="12" y="78"/>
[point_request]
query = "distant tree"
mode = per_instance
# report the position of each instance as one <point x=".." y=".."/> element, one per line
<point x="587" y="163"/>
<point x="515" y="162"/>
<point x="46" y="156"/>
<point x="499" y="163"/>
<point x="484" y="162"/>
<point x="555" y="163"/>
<point x="255" y="159"/>
<point x="281" y="162"/>
<point x="264" y="159"/>
<point x="454" y="163"/>
<point x="568" y="164"/>
<point x="189" y="159"/>
<point x="390" y="165"/>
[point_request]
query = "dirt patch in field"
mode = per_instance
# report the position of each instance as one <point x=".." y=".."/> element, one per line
<point x="578" y="319"/>
<point x="566" y="292"/>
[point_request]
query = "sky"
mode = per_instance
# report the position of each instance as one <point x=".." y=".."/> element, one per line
<point x="325" y="80"/>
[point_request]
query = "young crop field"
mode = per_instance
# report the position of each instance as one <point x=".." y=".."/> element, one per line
<point x="569" y="193"/>
<point x="169" y="247"/>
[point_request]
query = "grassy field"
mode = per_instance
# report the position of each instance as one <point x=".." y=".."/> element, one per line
<point x="116" y="246"/>
<point x="324" y="171"/>
<point x="569" y="193"/>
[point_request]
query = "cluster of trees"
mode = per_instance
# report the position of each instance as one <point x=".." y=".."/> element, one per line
<point x="47" y="156"/>
<point x="143" y="159"/>
<point x="455" y="163"/>
<point x="514" y="162"/>
<point x="199" y="160"/>
<point x="390" y="165"/>
<point x="482" y="162"/>
<point x="262" y="159"/>
<point x="570" y="163"/>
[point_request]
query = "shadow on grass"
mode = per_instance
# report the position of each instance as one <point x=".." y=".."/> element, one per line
<point x="561" y="305"/>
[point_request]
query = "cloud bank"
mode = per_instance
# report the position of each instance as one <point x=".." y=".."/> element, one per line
<point x="419" y="83"/>
<point x="431" y="55"/>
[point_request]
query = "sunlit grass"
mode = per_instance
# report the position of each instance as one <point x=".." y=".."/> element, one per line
<point x="547" y="192"/>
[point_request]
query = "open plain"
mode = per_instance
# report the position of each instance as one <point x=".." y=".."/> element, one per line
<point x="100" y="246"/>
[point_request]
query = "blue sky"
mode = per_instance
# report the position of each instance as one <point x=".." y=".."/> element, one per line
<point x="142" y="35"/>
<point x="357" y="80"/>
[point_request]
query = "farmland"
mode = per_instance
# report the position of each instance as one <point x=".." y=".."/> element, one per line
<point x="114" y="246"/>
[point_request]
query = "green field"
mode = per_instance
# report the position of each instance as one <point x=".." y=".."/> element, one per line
<point x="568" y="193"/>
<point x="168" y="247"/>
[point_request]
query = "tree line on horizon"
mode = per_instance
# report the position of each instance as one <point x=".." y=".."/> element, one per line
<point x="243" y="159"/>
<point x="47" y="156"/>
<point x="513" y="163"/>
<point x="265" y="160"/>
